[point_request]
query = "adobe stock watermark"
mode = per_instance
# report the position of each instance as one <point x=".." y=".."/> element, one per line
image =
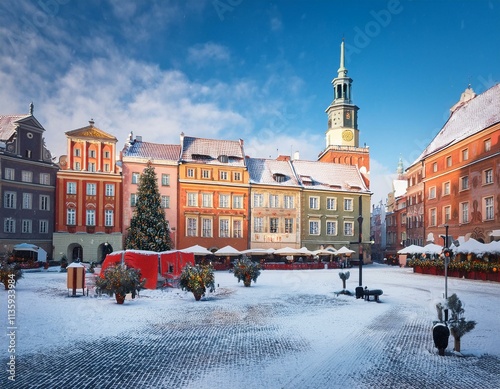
<point x="11" y="328"/>
<point x="37" y="21"/>
<point x="373" y="28"/>
<point x="224" y="6"/>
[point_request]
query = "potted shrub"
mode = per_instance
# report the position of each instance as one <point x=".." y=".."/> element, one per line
<point x="120" y="280"/>
<point x="197" y="279"/>
<point x="247" y="270"/>
<point x="9" y="272"/>
<point x="457" y="323"/>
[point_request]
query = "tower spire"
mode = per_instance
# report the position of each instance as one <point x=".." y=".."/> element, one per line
<point x="342" y="72"/>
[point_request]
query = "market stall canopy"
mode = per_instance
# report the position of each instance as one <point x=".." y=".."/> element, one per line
<point x="324" y="252"/>
<point x="412" y="249"/>
<point x="432" y="248"/>
<point x="228" y="251"/>
<point x="287" y="251"/>
<point x="305" y="251"/>
<point x="197" y="250"/>
<point x="258" y="251"/>
<point x="492" y="247"/>
<point x="41" y="253"/>
<point x="472" y="246"/>
<point x="344" y="250"/>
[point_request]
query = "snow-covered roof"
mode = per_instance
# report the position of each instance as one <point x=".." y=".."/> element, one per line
<point x="156" y="151"/>
<point x="8" y="125"/>
<point x="473" y="116"/>
<point x="212" y="151"/>
<point x="271" y="172"/>
<point x="329" y="176"/>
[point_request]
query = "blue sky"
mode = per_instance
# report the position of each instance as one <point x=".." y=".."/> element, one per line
<point x="252" y="69"/>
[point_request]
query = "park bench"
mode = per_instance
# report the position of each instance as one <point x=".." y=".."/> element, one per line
<point x="373" y="292"/>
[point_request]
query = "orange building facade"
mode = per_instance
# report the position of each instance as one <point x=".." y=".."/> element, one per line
<point x="88" y="222"/>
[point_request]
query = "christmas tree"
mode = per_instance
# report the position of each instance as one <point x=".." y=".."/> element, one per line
<point x="148" y="228"/>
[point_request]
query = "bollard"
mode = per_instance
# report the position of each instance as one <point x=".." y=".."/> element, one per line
<point x="440" y="334"/>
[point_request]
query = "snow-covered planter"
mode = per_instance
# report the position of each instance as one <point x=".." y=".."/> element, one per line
<point x="197" y="279"/>
<point x="246" y="270"/>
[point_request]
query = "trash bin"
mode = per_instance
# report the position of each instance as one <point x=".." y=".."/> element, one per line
<point x="76" y="278"/>
<point x="359" y="292"/>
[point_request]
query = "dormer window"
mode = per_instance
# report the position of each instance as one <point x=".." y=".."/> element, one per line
<point x="278" y="177"/>
<point x="223" y="159"/>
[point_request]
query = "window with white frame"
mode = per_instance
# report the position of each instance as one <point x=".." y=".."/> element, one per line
<point x="206" y="200"/>
<point x="258" y="200"/>
<point x="331" y="203"/>
<point x="223" y="175"/>
<point x="273" y="225"/>
<point x="90" y="221"/>
<point x="274" y="201"/>
<point x="135" y="177"/>
<point x="448" y="161"/>
<point x="77" y="152"/>
<point x="190" y="172"/>
<point x="205" y="173"/>
<point x="313" y="202"/>
<point x="237" y="176"/>
<point x="224" y="200"/>
<point x="27" y="200"/>
<point x="464" y="183"/>
<point x="488" y="208"/>
<point x="10" y="200"/>
<point x="9" y="225"/>
<point x="488" y="176"/>
<point x="446" y="188"/>
<point x="133" y="199"/>
<point x="110" y="190"/>
<point x="108" y="218"/>
<point x="107" y="154"/>
<point x="91" y="167"/>
<point x="348" y="205"/>
<point x="192" y="226"/>
<point x="432" y="216"/>
<point x="9" y="173"/>
<point x="258" y="224"/>
<point x="71" y="187"/>
<point x="44" y="178"/>
<point x="44" y="203"/>
<point x="237" y="228"/>
<point x="26" y="176"/>
<point x="331" y="228"/>
<point x="43" y="226"/>
<point x="288" y="225"/>
<point x="446" y="214"/>
<point x="314" y="227"/>
<point x="224" y="228"/>
<point x="206" y="227"/>
<point x="288" y="202"/>
<point x="464" y="212"/>
<point x="91" y="189"/>
<point x="432" y="192"/>
<point x="165" y="201"/>
<point x="71" y="217"/>
<point x="92" y="153"/>
<point x="26" y="226"/>
<point x="237" y="202"/>
<point x="465" y="154"/>
<point x="487" y="145"/>
<point x="349" y="228"/>
<point x="435" y="167"/>
<point x="192" y="199"/>
<point x="78" y="166"/>
<point x="165" y="179"/>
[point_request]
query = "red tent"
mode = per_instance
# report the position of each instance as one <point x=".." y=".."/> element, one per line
<point x="172" y="263"/>
<point x="145" y="261"/>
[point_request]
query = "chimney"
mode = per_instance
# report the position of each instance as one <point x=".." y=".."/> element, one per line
<point x="296" y="156"/>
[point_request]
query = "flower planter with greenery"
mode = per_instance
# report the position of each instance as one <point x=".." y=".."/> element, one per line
<point x="247" y="270"/>
<point x="197" y="279"/>
<point x="9" y="272"/>
<point x="120" y="280"/>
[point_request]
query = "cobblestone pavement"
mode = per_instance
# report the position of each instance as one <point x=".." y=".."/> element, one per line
<point x="220" y="344"/>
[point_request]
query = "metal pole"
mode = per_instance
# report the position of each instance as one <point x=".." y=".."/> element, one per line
<point x="446" y="260"/>
<point x="360" y="239"/>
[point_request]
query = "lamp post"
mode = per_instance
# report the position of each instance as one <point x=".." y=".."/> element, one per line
<point x="360" y="239"/>
<point x="446" y="262"/>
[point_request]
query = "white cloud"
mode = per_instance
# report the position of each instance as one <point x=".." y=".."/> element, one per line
<point x="205" y="53"/>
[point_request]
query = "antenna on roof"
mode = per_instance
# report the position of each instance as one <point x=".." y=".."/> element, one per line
<point x="32" y="107"/>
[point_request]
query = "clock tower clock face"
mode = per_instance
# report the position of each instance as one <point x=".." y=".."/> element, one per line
<point x="347" y="135"/>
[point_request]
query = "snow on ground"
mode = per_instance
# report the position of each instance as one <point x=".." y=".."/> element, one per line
<point x="299" y="307"/>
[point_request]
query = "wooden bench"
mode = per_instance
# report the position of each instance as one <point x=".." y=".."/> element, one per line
<point x="373" y="292"/>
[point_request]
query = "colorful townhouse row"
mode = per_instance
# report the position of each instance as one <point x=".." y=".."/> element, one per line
<point x="213" y="194"/>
